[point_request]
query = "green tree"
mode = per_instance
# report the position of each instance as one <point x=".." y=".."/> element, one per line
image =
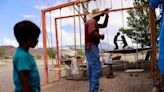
<point x="38" y="56"/>
<point x="138" y="24"/>
<point x="2" y="52"/>
<point x="51" y="52"/>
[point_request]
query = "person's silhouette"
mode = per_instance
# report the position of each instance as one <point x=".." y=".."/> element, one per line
<point x="115" y="40"/>
<point x="124" y="42"/>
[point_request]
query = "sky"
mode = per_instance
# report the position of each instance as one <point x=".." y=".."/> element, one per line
<point x="13" y="11"/>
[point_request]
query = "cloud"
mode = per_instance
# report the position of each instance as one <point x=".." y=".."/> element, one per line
<point x="40" y="44"/>
<point x="68" y="38"/>
<point x="8" y="41"/>
<point x="49" y="3"/>
<point x="28" y="16"/>
<point x="40" y="7"/>
<point x="12" y="42"/>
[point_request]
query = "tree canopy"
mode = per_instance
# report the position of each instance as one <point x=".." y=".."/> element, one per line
<point x="51" y="52"/>
<point x="139" y="25"/>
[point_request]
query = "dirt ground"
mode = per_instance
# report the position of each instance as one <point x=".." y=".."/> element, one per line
<point x="122" y="82"/>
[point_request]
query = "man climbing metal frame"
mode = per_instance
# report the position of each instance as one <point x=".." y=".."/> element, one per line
<point x="92" y="39"/>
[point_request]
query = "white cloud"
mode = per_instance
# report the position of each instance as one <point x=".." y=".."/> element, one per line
<point x="8" y="41"/>
<point x="68" y="38"/>
<point x="48" y="3"/>
<point x="13" y="42"/>
<point x="40" y="7"/>
<point x="40" y="44"/>
<point x="28" y="16"/>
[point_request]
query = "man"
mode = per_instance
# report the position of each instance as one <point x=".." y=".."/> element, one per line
<point x="154" y="4"/>
<point x="92" y="39"/>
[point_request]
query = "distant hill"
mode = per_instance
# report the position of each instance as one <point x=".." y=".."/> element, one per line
<point x="38" y="51"/>
<point x="102" y="45"/>
<point x="10" y="51"/>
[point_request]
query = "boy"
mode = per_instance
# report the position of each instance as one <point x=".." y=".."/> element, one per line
<point x="115" y="40"/>
<point x="124" y="42"/>
<point x="25" y="72"/>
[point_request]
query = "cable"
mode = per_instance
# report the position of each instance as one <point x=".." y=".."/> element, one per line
<point x="111" y="2"/>
<point x="77" y="9"/>
<point x="50" y="44"/>
<point x="80" y="31"/>
<point x="97" y="4"/>
<point x="122" y="13"/>
<point x="61" y="34"/>
<point x="75" y="32"/>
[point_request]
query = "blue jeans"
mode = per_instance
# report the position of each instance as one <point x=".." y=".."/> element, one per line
<point x="94" y="68"/>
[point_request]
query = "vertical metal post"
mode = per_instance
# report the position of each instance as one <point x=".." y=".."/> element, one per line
<point x="45" y="45"/>
<point x="57" y="48"/>
<point x="153" y="42"/>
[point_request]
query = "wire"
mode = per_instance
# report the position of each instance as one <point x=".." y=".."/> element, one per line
<point x="97" y="5"/>
<point x="111" y="3"/>
<point x="74" y="31"/>
<point x="77" y="9"/>
<point x="80" y="31"/>
<point x="61" y="33"/>
<point x="122" y="13"/>
<point x="50" y="44"/>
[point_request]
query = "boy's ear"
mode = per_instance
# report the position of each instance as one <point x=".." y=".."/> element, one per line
<point x="30" y="39"/>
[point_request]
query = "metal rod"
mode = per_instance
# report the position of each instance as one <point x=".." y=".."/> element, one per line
<point x="45" y="45"/>
<point x="153" y="42"/>
<point x="74" y="31"/>
<point x="57" y="49"/>
<point x="130" y="8"/>
<point x="64" y="5"/>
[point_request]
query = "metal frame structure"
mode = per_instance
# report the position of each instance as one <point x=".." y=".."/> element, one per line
<point x="152" y="30"/>
<point x="45" y="32"/>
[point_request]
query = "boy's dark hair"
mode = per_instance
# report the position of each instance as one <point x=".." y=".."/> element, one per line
<point x="122" y="36"/>
<point x="118" y="33"/>
<point x="25" y="29"/>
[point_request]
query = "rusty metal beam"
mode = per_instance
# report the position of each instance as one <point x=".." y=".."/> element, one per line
<point x="130" y="8"/>
<point x="64" y="5"/>
<point x="114" y="10"/>
<point x="154" y="69"/>
<point x="45" y="45"/>
<point x="57" y="49"/>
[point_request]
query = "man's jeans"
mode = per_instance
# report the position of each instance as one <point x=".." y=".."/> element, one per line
<point x="94" y="68"/>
